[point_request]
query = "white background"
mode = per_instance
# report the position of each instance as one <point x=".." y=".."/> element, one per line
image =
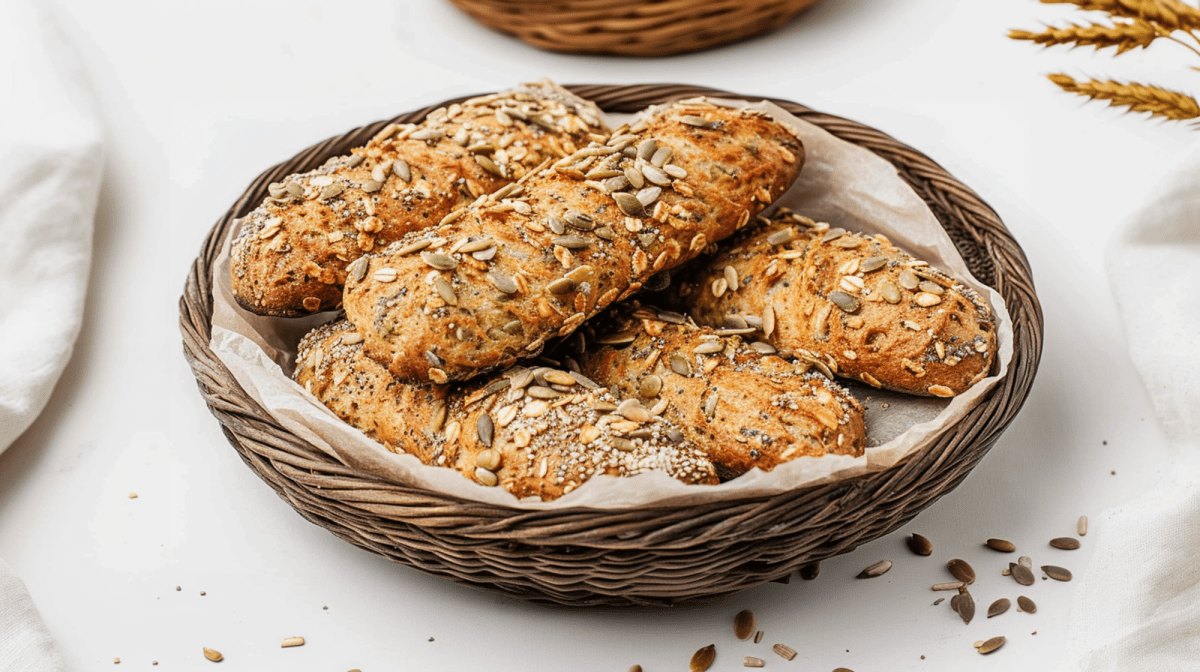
<point x="199" y="97"/>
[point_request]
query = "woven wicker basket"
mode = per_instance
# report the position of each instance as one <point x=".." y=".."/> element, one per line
<point x="649" y="556"/>
<point x="632" y="27"/>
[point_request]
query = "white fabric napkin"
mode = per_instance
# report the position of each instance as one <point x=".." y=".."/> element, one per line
<point x="1138" y="605"/>
<point x="50" y="168"/>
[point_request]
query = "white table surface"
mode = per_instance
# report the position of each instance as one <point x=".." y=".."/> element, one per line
<point x="199" y="97"/>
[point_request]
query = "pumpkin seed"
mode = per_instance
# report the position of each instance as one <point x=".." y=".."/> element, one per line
<point x="485" y="429"/>
<point x="629" y="204"/>
<point x="213" y="655"/>
<point x="656" y="176"/>
<point x="920" y="544"/>
<point x="962" y="570"/>
<point x="999" y="607"/>
<point x="889" y="291"/>
<point x="743" y="624"/>
<point x="675" y="171"/>
<point x="439" y="260"/>
<point x="650" y="386"/>
<point x="991" y="645"/>
<point x="1057" y="573"/>
<point x="634" y="178"/>
<point x="561" y="286"/>
<point x="843" y="300"/>
<point x="697" y="122"/>
<point x="909" y="280"/>
<point x="810" y="571"/>
<point x="878" y="569"/>
<point x="872" y="264"/>
<point x="703" y="658"/>
<point x="486" y="477"/>
<point x="502" y="282"/>
<point x="1027" y="605"/>
<point x="1065" y="543"/>
<point x="931" y="287"/>
<point x="1002" y="545"/>
<point x="679" y="364"/>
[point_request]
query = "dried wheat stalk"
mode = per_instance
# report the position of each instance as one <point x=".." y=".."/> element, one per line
<point x="1170" y="14"/>
<point x="1157" y="101"/>
<point x="1135" y="34"/>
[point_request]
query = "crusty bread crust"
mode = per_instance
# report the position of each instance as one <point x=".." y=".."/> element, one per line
<point x="290" y="256"/>
<point x="884" y="317"/>
<point x="535" y="260"/>
<point x="745" y="406"/>
<point x="534" y="432"/>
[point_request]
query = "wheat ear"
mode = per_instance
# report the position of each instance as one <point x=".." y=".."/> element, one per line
<point x="1170" y="14"/>
<point x="1157" y="101"/>
<point x="1136" y="34"/>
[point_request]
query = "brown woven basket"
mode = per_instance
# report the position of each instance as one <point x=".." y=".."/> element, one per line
<point x="648" y="556"/>
<point x="632" y="27"/>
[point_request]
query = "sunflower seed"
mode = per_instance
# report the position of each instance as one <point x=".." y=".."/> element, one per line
<point x="949" y="585"/>
<point x="710" y="405"/>
<point x="962" y="570"/>
<point x="991" y="645"/>
<point x="697" y="122"/>
<point x="1025" y="561"/>
<point x="579" y="221"/>
<point x="634" y="178"/>
<point x="785" y="651"/>
<point x="708" y="348"/>
<point x="439" y="260"/>
<point x="781" y="236"/>
<point x="661" y="156"/>
<point x="486" y="254"/>
<point x="1081" y="526"/>
<point x="485" y="429"/>
<point x="427" y="134"/>
<point x="332" y="190"/>
<point x="402" y="171"/>
<point x="542" y="392"/>
<point x="751" y="661"/>
<point x="1057" y="573"/>
<point x="675" y="171"/>
<point x="878" y="569"/>
<point x="656" y="176"/>
<point x="999" y="607"/>
<point x="476" y="245"/>
<point x="931" y="287"/>
<point x="557" y="225"/>
<point x="629" y="204"/>
<point x="372" y="186"/>
<point x="616" y="184"/>
<point x="502" y="282"/>
<point x="632" y="409"/>
<point x="920" y="544"/>
<point x="735" y="321"/>
<point x="488" y="165"/>
<point x="810" y="571"/>
<point x="966" y="607"/>
<point x="445" y="291"/>
<point x="671" y="317"/>
<point x="1001" y="545"/>
<point x="1022" y="575"/>
<point x="703" y="659"/>
<point x="833" y="234"/>
<point x="763" y="348"/>
<point x="646" y="149"/>
<point x="1065" y="543"/>
<point x="843" y="300"/>
<point x="1027" y="605"/>
<point x="605" y="233"/>
<point x="889" y="291"/>
<point x="768" y="320"/>
<point x="925" y="299"/>
<point x="358" y="270"/>
<point x="679" y="364"/>
<point x="909" y="280"/>
<point x="213" y="655"/>
<point x="561" y="286"/>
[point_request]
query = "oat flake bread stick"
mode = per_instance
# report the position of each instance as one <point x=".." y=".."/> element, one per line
<point x="886" y="318"/>
<point x="744" y="405"/>
<point x="290" y="255"/>
<point x="535" y="260"/>
<point x="534" y="432"/>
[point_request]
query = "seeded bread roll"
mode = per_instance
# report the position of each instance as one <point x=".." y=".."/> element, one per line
<point x="534" y="432"/>
<point x="290" y="255"/>
<point x="743" y="404"/>
<point x="535" y="260"/>
<point x="885" y="317"/>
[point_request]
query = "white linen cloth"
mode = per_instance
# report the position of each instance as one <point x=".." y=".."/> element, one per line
<point x="1138" y="604"/>
<point x="50" y="166"/>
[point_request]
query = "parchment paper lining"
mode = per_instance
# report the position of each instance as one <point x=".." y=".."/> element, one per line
<point x="841" y="183"/>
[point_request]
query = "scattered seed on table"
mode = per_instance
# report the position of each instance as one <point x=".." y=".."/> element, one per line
<point x="1022" y="575"/>
<point x="743" y="624"/>
<point x="751" y="661"/>
<point x="1057" y="573"/>
<point x="920" y="544"/>
<point x="1081" y="526"/>
<point x="213" y="655"/>
<point x="758" y="636"/>
<point x="966" y="607"/>
<point x="949" y="585"/>
<point x="962" y="570"/>
<point x="784" y="650"/>
<point x="1065" y="543"/>
<point x="1002" y="545"/>
<point x="999" y="607"/>
<point x="810" y="571"/>
<point x="991" y="645"/>
<point x="878" y="569"/>
<point x="289" y="642"/>
<point x="703" y="658"/>
<point x="1027" y="605"/>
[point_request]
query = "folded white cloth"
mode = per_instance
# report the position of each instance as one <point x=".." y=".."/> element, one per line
<point x="50" y="168"/>
<point x="1138" y="605"/>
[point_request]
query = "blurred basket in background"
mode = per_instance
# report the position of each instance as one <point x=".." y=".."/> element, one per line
<point x="632" y="27"/>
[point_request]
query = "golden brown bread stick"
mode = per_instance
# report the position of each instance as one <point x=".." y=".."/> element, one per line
<point x="743" y="405"/>
<point x="514" y="271"/>
<point x="534" y="432"/>
<point x="290" y="255"/>
<point x="885" y="317"/>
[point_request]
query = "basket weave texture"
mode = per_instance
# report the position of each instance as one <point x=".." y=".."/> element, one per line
<point x="632" y="27"/>
<point x="649" y="556"/>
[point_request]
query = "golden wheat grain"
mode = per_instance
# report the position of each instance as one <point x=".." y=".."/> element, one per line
<point x="1158" y="102"/>
<point x="1136" y="34"/>
<point x="1170" y="14"/>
